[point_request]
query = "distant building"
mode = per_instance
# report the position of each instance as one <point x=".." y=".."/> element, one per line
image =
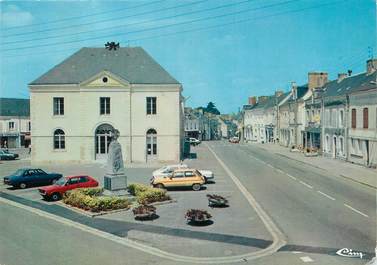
<point x="15" y="123"/>
<point x="362" y="117"/>
<point x="76" y="105"/>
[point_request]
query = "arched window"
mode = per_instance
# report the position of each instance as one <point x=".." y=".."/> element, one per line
<point x="151" y="131"/>
<point x="59" y="139"/>
<point x="151" y="144"/>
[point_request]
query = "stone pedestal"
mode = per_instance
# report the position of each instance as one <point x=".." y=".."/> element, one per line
<point x="115" y="185"/>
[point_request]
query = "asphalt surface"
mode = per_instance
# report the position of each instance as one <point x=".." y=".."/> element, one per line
<point x="314" y="209"/>
<point x="27" y="238"/>
<point x="318" y="212"/>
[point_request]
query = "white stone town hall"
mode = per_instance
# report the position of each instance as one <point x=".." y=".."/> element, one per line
<point x="76" y="104"/>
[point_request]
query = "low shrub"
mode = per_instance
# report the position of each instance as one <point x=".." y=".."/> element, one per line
<point x="136" y="188"/>
<point x="89" y="200"/>
<point x="92" y="191"/>
<point x="152" y="195"/>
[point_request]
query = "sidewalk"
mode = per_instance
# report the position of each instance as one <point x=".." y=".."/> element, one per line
<point x="354" y="172"/>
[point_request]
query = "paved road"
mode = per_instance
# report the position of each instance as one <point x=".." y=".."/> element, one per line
<point x="27" y="238"/>
<point x="316" y="211"/>
<point x="311" y="207"/>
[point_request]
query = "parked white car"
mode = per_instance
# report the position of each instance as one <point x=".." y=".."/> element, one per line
<point x="168" y="170"/>
<point x="194" y="141"/>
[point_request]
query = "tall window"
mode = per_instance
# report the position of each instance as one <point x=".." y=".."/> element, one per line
<point x="341" y="145"/>
<point x="11" y="125"/>
<point x="58" y="106"/>
<point x="29" y="126"/>
<point x="341" y="118"/>
<point x="104" y="104"/>
<point x="59" y="139"/>
<point x="151" y="105"/>
<point x="365" y="118"/>
<point x="353" y="121"/>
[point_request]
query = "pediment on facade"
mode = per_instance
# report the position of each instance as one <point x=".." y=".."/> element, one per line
<point x="105" y="79"/>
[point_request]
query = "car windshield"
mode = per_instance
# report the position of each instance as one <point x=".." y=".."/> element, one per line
<point x="19" y="172"/>
<point x="61" y="182"/>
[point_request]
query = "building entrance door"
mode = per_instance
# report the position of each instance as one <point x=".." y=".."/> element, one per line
<point x="334" y="147"/>
<point x="151" y="145"/>
<point x="102" y="141"/>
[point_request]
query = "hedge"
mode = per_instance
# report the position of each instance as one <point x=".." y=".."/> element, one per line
<point x="152" y="195"/>
<point x="89" y="200"/>
<point x="136" y="188"/>
<point x="146" y="194"/>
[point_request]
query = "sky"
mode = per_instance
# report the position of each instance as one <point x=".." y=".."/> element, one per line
<point x="220" y="50"/>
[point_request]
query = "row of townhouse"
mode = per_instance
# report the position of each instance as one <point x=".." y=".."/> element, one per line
<point x="15" y="123"/>
<point x="207" y="126"/>
<point x="201" y="125"/>
<point x="335" y="118"/>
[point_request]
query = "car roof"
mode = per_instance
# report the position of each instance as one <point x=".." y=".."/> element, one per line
<point x="76" y="176"/>
<point x="184" y="169"/>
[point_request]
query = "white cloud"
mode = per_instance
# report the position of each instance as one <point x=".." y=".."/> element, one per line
<point x="13" y="16"/>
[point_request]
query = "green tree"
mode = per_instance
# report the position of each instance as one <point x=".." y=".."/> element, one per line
<point x="211" y="108"/>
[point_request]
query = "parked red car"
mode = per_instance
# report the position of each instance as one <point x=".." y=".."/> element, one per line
<point x="55" y="192"/>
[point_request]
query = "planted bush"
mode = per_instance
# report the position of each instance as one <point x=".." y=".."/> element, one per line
<point x="152" y="195"/>
<point x="80" y="198"/>
<point x="136" y="188"/>
<point x="92" y="191"/>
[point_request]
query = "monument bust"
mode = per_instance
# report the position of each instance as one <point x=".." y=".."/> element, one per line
<point x="115" y="164"/>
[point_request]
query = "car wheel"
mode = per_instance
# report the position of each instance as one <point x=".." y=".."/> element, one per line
<point x="22" y="185"/>
<point x="160" y="186"/>
<point x="196" y="187"/>
<point x="55" y="196"/>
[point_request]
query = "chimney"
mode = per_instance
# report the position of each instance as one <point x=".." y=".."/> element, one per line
<point x="341" y="76"/>
<point x="371" y="66"/>
<point x="262" y="99"/>
<point x="252" y="101"/>
<point x="278" y="93"/>
<point x="317" y="79"/>
<point x="349" y="72"/>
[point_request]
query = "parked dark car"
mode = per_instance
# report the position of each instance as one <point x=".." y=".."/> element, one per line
<point x="26" y="177"/>
<point x="6" y="155"/>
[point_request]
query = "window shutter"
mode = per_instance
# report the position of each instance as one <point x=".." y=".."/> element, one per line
<point x="365" y="118"/>
<point x="353" y="118"/>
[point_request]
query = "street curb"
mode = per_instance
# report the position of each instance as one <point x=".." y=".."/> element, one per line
<point x="278" y="237"/>
<point x="88" y="213"/>
<point x="321" y="168"/>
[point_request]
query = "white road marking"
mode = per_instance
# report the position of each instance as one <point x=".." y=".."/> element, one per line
<point x="278" y="237"/>
<point x="280" y="171"/>
<point x="292" y="177"/>
<point x="326" y="195"/>
<point x="306" y="259"/>
<point x="296" y="252"/>
<point x="357" y="211"/>
<point x="306" y="184"/>
<point x="269" y="165"/>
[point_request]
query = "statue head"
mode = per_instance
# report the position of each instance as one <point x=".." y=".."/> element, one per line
<point x="115" y="134"/>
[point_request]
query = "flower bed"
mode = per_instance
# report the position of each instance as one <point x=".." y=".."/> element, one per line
<point x="144" y="212"/>
<point x="136" y="188"/>
<point x="216" y="200"/>
<point x="147" y="195"/>
<point x="197" y="216"/>
<point x="90" y="200"/>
